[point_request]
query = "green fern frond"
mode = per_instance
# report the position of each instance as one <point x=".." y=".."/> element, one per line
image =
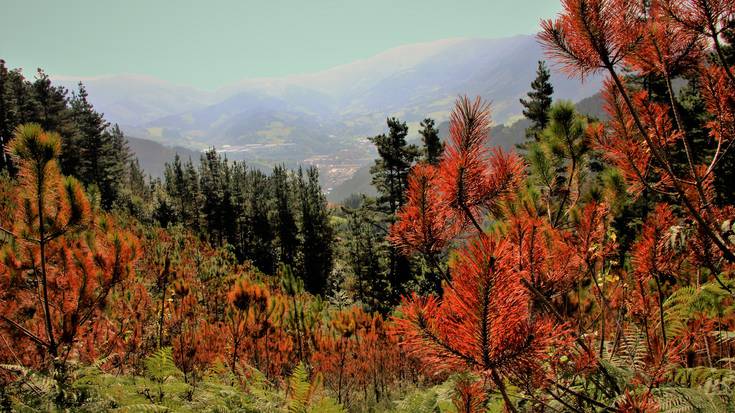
<point x="160" y="365"/>
<point x="683" y="400"/>
<point x="299" y="390"/>
<point x="304" y="395"/>
<point x="326" y="405"/>
<point x="632" y="352"/>
<point x="142" y="408"/>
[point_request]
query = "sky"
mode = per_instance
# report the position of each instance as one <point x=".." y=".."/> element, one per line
<point x="211" y="43"/>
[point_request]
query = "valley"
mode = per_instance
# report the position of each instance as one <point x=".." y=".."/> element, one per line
<point x="324" y="118"/>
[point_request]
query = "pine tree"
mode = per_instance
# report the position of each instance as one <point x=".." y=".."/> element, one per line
<point x="536" y="107"/>
<point x="260" y="232"/>
<point x="390" y="177"/>
<point x="91" y="151"/>
<point x="135" y="195"/>
<point x="367" y="253"/>
<point x="22" y="102"/>
<point x="283" y="216"/>
<point x="193" y="197"/>
<point x="19" y="98"/>
<point x="433" y="146"/>
<point x="5" y="133"/>
<point x="66" y="259"/>
<point x="390" y="172"/>
<point x="315" y="231"/>
<point x="559" y="161"/>
<point x="217" y="209"/>
<point x="114" y="164"/>
<point x="669" y="40"/>
<point x="50" y="102"/>
<point x="182" y="185"/>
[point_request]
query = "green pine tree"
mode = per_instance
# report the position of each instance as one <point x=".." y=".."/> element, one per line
<point x="283" y="216"/>
<point x="261" y="234"/>
<point x="536" y="107"/>
<point x="5" y="121"/>
<point x="366" y="253"/>
<point x="95" y="155"/>
<point x="315" y="232"/>
<point x="559" y="161"/>
<point x="390" y="177"/>
<point x="390" y="172"/>
<point x="433" y="146"/>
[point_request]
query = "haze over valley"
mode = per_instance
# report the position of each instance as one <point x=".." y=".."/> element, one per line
<point x="322" y="118"/>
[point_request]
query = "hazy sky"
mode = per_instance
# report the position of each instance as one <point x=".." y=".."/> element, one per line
<point x="210" y="43"/>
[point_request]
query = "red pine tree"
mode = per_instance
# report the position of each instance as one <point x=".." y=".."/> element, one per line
<point x="62" y="261"/>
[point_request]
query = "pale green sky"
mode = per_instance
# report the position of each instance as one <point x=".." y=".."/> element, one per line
<point x="210" y="43"/>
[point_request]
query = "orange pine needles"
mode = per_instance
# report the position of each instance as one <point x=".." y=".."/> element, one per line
<point x="482" y="323"/>
<point x="469" y="396"/>
<point x="654" y="254"/>
<point x="61" y="263"/>
<point x="589" y="36"/>
<point x="253" y="322"/>
<point x="471" y="178"/>
<point x="664" y="39"/>
<point x="422" y="224"/>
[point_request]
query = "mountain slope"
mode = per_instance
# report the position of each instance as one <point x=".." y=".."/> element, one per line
<point x="351" y="100"/>
<point x="322" y="118"/>
<point x="505" y="137"/>
<point x="132" y="100"/>
<point x="298" y="118"/>
<point x="153" y="156"/>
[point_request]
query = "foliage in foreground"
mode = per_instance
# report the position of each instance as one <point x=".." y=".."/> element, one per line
<point x="162" y="388"/>
<point x="540" y="293"/>
<point x="595" y="273"/>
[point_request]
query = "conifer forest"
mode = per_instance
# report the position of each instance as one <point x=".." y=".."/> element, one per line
<point x="588" y="267"/>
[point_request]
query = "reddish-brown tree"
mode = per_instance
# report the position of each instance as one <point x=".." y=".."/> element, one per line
<point x="356" y="356"/>
<point x="60" y="262"/>
<point x="254" y="323"/>
<point x="483" y="323"/>
<point x="664" y="38"/>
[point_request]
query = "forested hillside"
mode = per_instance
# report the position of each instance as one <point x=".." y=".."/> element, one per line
<point x="577" y="260"/>
<point x="503" y="136"/>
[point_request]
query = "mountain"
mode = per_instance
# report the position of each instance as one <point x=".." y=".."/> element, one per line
<point x="353" y="100"/>
<point x="506" y="137"/>
<point x="132" y="100"/>
<point x="593" y="106"/>
<point x="323" y="118"/>
<point x="153" y="156"/>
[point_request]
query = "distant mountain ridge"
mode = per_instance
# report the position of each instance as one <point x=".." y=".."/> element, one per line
<point x="411" y="82"/>
<point x="153" y="156"/>
<point x="323" y="118"/>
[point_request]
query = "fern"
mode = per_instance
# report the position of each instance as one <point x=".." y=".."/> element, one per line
<point x="160" y="366"/>
<point x="434" y="399"/>
<point x="265" y="398"/>
<point x="699" y="376"/>
<point x="300" y="390"/>
<point x="304" y="395"/>
<point x="631" y="355"/>
<point x="683" y="400"/>
<point x="142" y="408"/>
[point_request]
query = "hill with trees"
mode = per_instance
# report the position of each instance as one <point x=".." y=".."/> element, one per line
<point x="587" y="267"/>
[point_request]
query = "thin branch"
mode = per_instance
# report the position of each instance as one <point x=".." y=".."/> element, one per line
<point x="25" y="331"/>
<point x="729" y="255"/>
